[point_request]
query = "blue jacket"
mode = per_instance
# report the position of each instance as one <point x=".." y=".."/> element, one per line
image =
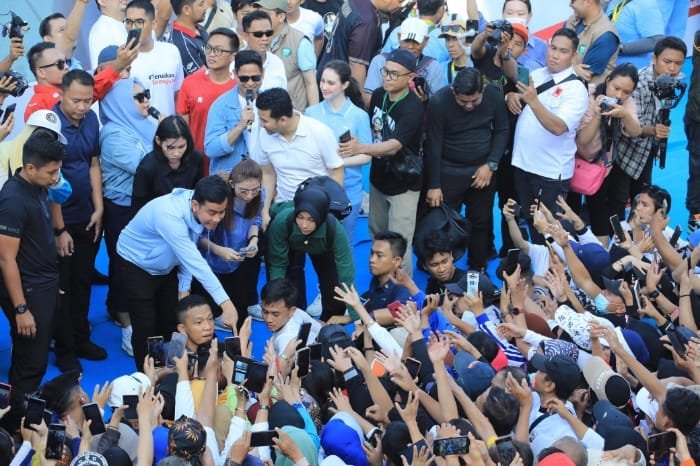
<point x="122" y="151"/>
<point x="163" y="235"/>
<point x="224" y="114"/>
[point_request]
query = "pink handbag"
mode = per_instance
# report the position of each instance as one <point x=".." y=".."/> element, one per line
<point x="589" y="176"/>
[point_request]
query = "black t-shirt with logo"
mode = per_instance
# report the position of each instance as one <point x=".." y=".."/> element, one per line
<point x="25" y="214"/>
<point x="405" y="120"/>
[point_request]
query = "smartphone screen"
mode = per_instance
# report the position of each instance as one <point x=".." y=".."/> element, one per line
<point x="303" y="335"/>
<point x="505" y="449"/>
<point x="130" y="401"/>
<point x="617" y="228"/>
<point x="315" y="351"/>
<point x="473" y="284"/>
<point x="413" y="366"/>
<point x="256" y="375"/>
<point x="675" y="236"/>
<point x="240" y="369"/>
<point x="8" y="111"/>
<point x="636" y="292"/>
<point x="35" y="412"/>
<point x="5" y="391"/>
<point x="660" y="444"/>
<point x="523" y="75"/>
<point x="92" y="412"/>
<point x="511" y="261"/>
<point x="133" y="34"/>
<point x="539" y="198"/>
<point x="55" y="441"/>
<point x="678" y="341"/>
<point x="263" y="438"/>
<point x="345" y="137"/>
<point x="394" y="308"/>
<point x="232" y="346"/>
<point x="451" y="446"/>
<point x="156" y="350"/>
<point x="303" y="362"/>
<point x="176" y="348"/>
<point x="419" y="81"/>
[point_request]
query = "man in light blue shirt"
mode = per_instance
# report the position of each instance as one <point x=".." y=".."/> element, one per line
<point x="640" y="25"/>
<point x="161" y="237"/>
<point x="430" y="11"/>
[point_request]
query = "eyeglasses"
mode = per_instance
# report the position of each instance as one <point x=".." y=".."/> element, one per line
<point x="259" y="34"/>
<point x="255" y="78"/>
<point x="143" y="96"/>
<point x="134" y="22"/>
<point x="216" y="51"/>
<point x="393" y="75"/>
<point x="60" y="64"/>
<point x="452" y="28"/>
<point x="243" y="192"/>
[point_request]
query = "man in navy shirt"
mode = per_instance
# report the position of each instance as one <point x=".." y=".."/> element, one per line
<point x="78" y="222"/>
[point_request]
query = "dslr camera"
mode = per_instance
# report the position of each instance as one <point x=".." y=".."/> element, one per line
<point x="16" y="27"/>
<point x="607" y="103"/>
<point x="22" y="84"/>
<point x="499" y="27"/>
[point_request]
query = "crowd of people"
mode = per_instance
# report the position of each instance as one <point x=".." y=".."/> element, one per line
<point x="207" y="138"/>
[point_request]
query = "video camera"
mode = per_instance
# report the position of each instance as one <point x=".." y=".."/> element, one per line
<point x="16" y="27"/>
<point x="669" y="90"/>
<point x="22" y="84"/>
<point x="499" y="27"/>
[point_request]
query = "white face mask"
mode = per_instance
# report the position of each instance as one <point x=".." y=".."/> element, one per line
<point x="517" y="19"/>
<point x="601" y="303"/>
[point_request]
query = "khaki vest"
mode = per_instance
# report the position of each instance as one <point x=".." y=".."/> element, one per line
<point x="286" y="49"/>
<point x="590" y="33"/>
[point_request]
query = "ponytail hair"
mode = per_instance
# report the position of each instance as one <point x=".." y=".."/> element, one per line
<point x="344" y="72"/>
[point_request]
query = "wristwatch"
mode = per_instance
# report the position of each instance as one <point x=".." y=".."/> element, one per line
<point x="493" y="166"/>
<point x="21" y="309"/>
<point x="59" y="231"/>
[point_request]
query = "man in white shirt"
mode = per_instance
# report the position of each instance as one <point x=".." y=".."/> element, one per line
<point x="282" y="317"/>
<point x="158" y="65"/>
<point x="108" y="29"/>
<point x="292" y="148"/>
<point x="307" y="21"/>
<point x="258" y="32"/>
<point x="550" y="110"/>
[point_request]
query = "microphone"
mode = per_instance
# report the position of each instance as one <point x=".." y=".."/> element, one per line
<point x="154" y="112"/>
<point x="249" y="96"/>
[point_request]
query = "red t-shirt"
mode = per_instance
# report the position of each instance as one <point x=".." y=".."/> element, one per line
<point x="196" y="95"/>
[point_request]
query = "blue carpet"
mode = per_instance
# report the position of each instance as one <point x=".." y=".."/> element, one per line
<point x="108" y="335"/>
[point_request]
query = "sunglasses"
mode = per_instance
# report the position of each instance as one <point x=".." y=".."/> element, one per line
<point x="259" y="34"/>
<point x="143" y="96"/>
<point x="60" y="64"/>
<point x="452" y="28"/>
<point x="255" y="78"/>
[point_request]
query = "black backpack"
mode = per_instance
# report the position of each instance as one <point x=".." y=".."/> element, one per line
<point x="340" y="205"/>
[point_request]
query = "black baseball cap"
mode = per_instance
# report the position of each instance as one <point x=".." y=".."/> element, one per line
<point x="562" y="370"/>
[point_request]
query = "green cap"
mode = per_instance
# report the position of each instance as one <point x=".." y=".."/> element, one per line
<point x="272" y="4"/>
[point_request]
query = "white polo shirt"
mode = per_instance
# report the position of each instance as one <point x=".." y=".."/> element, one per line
<point x="535" y="149"/>
<point x="290" y="331"/>
<point x="312" y="152"/>
<point x="106" y="31"/>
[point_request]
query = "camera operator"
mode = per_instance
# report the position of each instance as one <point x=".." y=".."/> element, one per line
<point x="496" y="50"/>
<point x="16" y="51"/>
<point x="611" y="112"/>
<point x="631" y="169"/>
<point x="692" y="131"/>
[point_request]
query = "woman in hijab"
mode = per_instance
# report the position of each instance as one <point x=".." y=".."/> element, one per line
<point x="125" y="139"/>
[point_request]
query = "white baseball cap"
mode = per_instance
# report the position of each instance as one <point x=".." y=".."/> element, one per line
<point x="413" y="29"/>
<point x="49" y="120"/>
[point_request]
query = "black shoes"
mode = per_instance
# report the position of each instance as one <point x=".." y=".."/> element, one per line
<point x="91" y="351"/>
<point x="67" y="363"/>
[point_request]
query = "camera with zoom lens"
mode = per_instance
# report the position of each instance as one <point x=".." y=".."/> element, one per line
<point x="665" y="87"/>
<point x="607" y="103"/>
<point x="499" y="27"/>
<point x="22" y="84"/>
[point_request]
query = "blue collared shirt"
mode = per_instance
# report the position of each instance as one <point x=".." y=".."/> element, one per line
<point x="224" y="114"/>
<point x="535" y="54"/>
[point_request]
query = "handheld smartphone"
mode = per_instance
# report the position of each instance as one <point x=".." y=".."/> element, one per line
<point x="263" y="438"/>
<point x="5" y="391"/>
<point x="505" y="449"/>
<point x="303" y="362"/>
<point x="451" y="446"/>
<point x="232" y="346"/>
<point x="92" y="412"/>
<point x="130" y="401"/>
<point x="678" y="341"/>
<point x="133" y="35"/>
<point x="419" y="82"/>
<point x="539" y="198"/>
<point x="303" y="334"/>
<point x="394" y="308"/>
<point x="35" y="412"/>
<point x="675" y="236"/>
<point x="156" y="350"/>
<point x="176" y="348"/>
<point x="523" y="75"/>
<point x="257" y="376"/>
<point x="516" y="210"/>
<point x="636" y="293"/>
<point x="55" y="441"/>
<point x="345" y="137"/>
<point x="8" y="111"/>
<point x="413" y="366"/>
<point x="240" y="369"/>
<point x="617" y="227"/>
<point x="661" y="444"/>
<point x="315" y="351"/>
<point x="511" y="261"/>
<point x="202" y="357"/>
<point x="473" y="284"/>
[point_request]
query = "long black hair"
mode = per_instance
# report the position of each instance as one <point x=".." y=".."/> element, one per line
<point x="173" y="127"/>
<point x="344" y="72"/>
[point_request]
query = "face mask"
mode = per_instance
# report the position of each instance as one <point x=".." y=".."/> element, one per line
<point x="467" y="50"/>
<point x="601" y="303"/>
<point x="517" y="19"/>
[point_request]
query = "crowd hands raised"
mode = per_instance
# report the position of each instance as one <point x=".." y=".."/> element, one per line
<point x="212" y="118"/>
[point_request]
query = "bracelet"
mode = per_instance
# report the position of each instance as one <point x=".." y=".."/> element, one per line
<point x="263" y="407"/>
<point x="230" y="462"/>
<point x="59" y="231"/>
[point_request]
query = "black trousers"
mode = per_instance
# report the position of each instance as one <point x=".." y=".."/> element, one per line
<point x="596" y="207"/>
<point x="114" y="220"/>
<point x="151" y="301"/>
<point x="506" y="190"/>
<point x="528" y="185"/>
<point x="238" y="285"/>
<point x="456" y="191"/>
<point x="72" y="326"/>
<point x="325" y="267"/>
<point x="622" y="187"/>
<point x="30" y="355"/>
